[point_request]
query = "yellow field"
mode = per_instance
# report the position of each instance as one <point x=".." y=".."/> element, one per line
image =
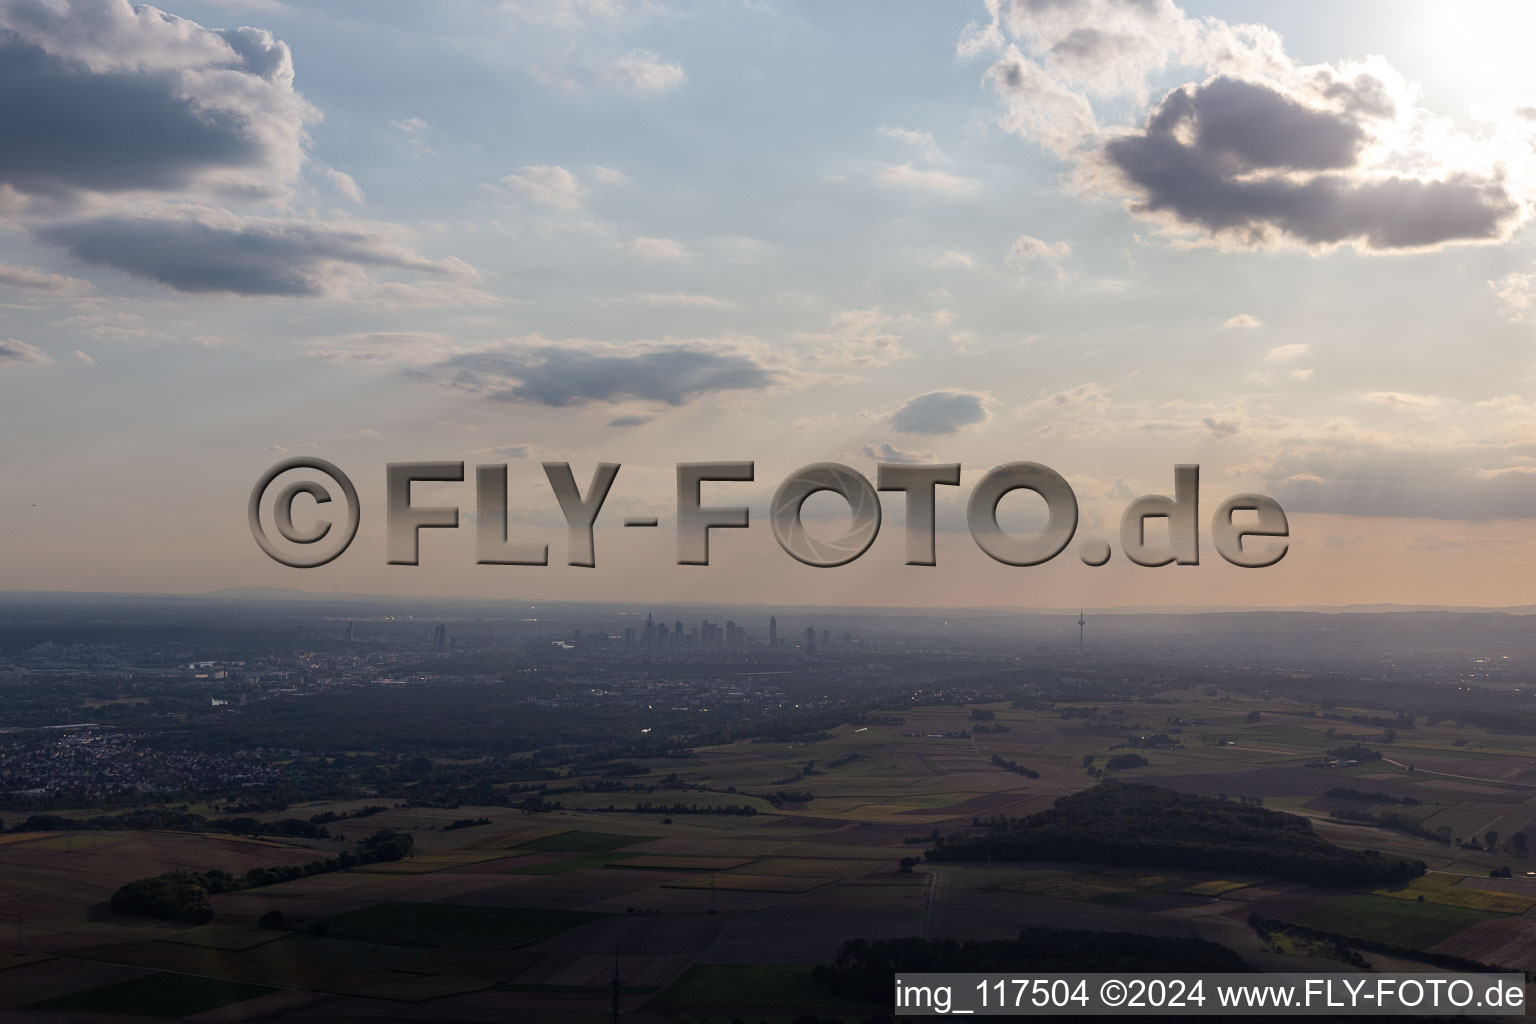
<point x="1440" y="887"/>
<point x="1216" y="887"/>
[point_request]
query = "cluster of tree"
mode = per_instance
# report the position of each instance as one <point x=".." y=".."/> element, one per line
<point x="1267" y="926"/>
<point x="183" y="895"/>
<point x="268" y="803"/>
<point x="288" y="827"/>
<point x="1156" y="741"/>
<point x="169" y="819"/>
<point x="1147" y="826"/>
<point x="1123" y="762"/>
<point x="1355" y="752"/>
<point x="144" y="819"/>
<point x="781" y="735"/>
<point x="328" y="817"/>
<point x="1490" y="842"/>
<point x="453" y="826"/>
<point x="1015" y="767"/>
<point x="1378" y="797"/>
<point x="994" y="727"/>
<point x="175" y="895"/>
<point x="677" y="808"/>
<point x="864" y="969"/>
<point x="1396" y="821"/>
<point x="779" y="798"/>
<point x="616" y="769"/>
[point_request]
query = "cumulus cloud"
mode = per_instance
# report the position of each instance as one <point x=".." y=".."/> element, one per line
<point x="209" y="250"/>
<point x="1257" y="150"/>
<point x="1242" y="320"/>
<point x="383" y="347"/>
<point x="942" y="182"/>
<point x="15" y="353"/>
<point x="127" y="130"/>
<point x="105" y="325"/>
<point x="108" y="97"/>
<point x="654" y="249"/>
<point x="922" y="141"/>
<point x="644" y="71"/>
<point x="1028" y="252"/>
<point x="858" y="338"/>
<point x="1248" y="163"/>
<point x="679" y="299"/>
<point x="548" y="185"/>
<point x="345" y="184"/>
<point x="1517" y="292"/>
<point x="1286" y="353"/>
<point x="14" y="276"/>
<point x="575" y="373"/>
<point x="942" y="412"/>
<point x="414" y="131"/>
<point x="1402" y="400"/>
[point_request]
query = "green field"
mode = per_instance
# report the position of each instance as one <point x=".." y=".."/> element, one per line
<point x="156" y="995"/>
<point x="1396" y="921"/>
<point x="560" y="867"/>
<point x="584" y="842"/>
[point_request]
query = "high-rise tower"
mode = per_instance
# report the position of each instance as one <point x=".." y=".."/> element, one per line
<point x="1081" y="622"/>
<point x="773" y="631"/>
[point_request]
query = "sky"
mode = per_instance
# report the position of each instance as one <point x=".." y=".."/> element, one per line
<point x="1289" y="243"/>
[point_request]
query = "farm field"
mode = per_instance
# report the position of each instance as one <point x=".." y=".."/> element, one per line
<point x="706" y="913"/>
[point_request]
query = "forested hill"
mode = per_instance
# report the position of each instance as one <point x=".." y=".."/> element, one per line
<point x="1147" y="826"/>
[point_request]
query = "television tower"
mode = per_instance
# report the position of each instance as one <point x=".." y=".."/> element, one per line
<point x="1081" y="622"/>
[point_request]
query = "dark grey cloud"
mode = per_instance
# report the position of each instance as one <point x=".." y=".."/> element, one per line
<point x="571" y="374"/>
<point x="1457" y="485"/>
<point x="212" y="251"/>
<point x="1221" y="428"/>
<point x="1241" y="159"/>
<point x="107" y="97"/>
<point x="887" y="452"/>
<point x="629" y="421"/>
<point x="940" y="412"/>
